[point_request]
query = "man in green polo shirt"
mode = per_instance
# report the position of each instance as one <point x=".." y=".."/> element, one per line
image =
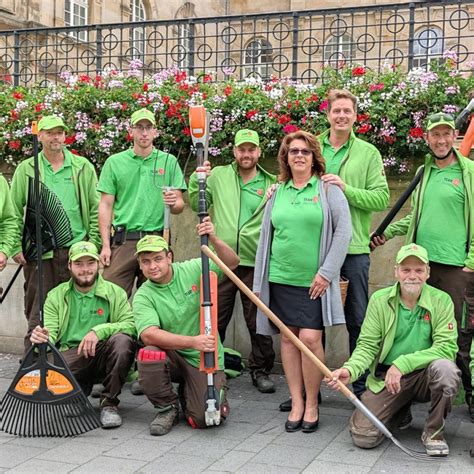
<point x="7" y="223"/>
<point x="408" y="340"/>
<point x="90" y="320"/>
<point x="167" y="316"/>
<point x="442" y="220"/>
<point x="235" y="195"/>
<point x="73" y="179"/>
<point x="135" y="187"/>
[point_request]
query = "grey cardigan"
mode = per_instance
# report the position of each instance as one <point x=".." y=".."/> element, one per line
<point x="335" y="237"/>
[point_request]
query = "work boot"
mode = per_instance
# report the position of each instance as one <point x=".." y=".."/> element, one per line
<point x="405" y="419"/>
<point x="434" y="447"/>
<point x="136" y="388"/>
<point x="110" y="417"/>
<point x="164" y="421"/>
<point x="263" y="383"/>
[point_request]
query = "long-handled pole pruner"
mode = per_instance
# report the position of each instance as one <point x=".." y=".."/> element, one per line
<point x="198" y="124"/>
<point x="307" y="352"/>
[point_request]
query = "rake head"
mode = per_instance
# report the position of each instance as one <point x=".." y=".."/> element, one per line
<point x="420" y="456"/>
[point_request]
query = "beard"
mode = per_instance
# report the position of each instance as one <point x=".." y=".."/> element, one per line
<point x="412" y="289"/>
<point x="84" y="281"/>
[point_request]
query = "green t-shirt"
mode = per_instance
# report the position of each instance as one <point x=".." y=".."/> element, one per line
<point x="297" y="219"/>
<point x="332" y="157"/>
<point x="86" y="311"/>
<point x="175" y="306"/>
<point x="442" y="227"/>
<point x="413" y="332"/>
<point x="251" y="195"/>
<point x="137" y="184"/>
<point x="61" y="183"/>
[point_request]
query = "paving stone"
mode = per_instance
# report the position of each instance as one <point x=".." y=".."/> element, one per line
<point x="178" y="434"/>
<point x="231" y="462"/>
<point x="211" y="448"/>
<point x="256" y="442"/>
<point x="107" y="465"/>
<point x="74" y="452"/>
<point x="286" y="456"/>
<point x="351" y="454"/>
<point x="43" y="443"/>
<point x="177" y="463"/>
<point x="11" y="455"/>
<point x="40" y="465"/>
<point x="335" y="467"/>
<point x="256" y="468"/>
<point x="141" y="449"/>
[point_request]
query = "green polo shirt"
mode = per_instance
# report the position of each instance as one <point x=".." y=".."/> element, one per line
<point x="251" y="195"/>
<point x="442" y="227"/>
<point x="297" y="219"/>
<point x="137" y="184"/>
<point x="175" y="307"/>
<point x="61" y="183"/>
<point x="413" y="332"/>
<point x="86" y="311"/>
<point x="333" y="157"/>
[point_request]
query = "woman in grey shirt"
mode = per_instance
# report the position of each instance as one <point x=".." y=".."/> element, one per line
<point x="304" y="239"/>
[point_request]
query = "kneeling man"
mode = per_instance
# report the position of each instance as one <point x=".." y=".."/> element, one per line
<point x="167" y="316"/>
<point x="90" y="320"/>
<point x="408" y="341"/>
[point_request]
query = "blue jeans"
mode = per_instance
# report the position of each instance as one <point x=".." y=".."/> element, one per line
<point x="356" y="270"/>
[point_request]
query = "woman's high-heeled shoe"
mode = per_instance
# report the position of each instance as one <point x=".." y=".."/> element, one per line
<point x="310" y="426"/>
<point x="292" y="426"/>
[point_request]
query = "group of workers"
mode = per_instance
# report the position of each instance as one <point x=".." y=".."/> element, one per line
<point x="291" y="238"/>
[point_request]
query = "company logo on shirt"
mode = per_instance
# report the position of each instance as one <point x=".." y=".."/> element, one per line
<point x="100" y="312"/>
<point x="455" y="182"/>
<point x="260" y="192"/>
<point x="193" y="289"/>
<point x="312" y="200"/>
<point x="426" y="317"/>
<point x="159" y="171"/>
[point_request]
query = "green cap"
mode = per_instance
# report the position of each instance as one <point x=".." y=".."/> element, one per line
<point x="246" y="136"/>
<point x="435" y="120"/>
<point x="412" y="250"/>
<point x="151" y="243"/>
<point x="143" y="114"/>
<point x="51" y="121"/>
<point x="83" y="249"/>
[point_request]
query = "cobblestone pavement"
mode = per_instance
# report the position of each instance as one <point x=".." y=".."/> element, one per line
<point x="252" y="440"/>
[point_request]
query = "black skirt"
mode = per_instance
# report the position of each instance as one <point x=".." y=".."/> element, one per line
<point x="294" y="307"/>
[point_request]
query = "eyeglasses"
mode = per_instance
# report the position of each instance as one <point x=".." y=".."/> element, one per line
<point x="440" y="116"/>
<point x="142" y="129"/>
<point x="297" y="151"/>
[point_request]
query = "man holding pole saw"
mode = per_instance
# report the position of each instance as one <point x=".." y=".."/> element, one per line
<point x="442" y="221"/>
<point x="166" y="310"/>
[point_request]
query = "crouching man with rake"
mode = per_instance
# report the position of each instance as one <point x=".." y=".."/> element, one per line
<point x="408" y="341"/>
<point x="166" y="310"/>
<point x="91" y="322"/>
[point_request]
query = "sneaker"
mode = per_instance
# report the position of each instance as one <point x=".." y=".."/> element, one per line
<point x="164" y="421"/>
<point x="136" y="388"/>
<point x="406" y="420"/>
<point x="263" y="383"/>
<point x="435" y="447"/>
<point x="110" y="417"/>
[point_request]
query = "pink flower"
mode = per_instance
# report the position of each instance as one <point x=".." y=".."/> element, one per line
<point x="290" y="128"/>
<point x="323" y="105"/>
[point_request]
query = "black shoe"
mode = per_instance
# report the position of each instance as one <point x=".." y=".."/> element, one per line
<point x="286" y="405"/>
<point x="310" y="426"/>
<point x="263" y="383"/>
<point x="292" y="426"/>
<point x="405" y="421"/>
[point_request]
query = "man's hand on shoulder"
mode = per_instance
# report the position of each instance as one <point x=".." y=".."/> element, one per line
<point x="334" y="179"/>
<point x="88" y="345"/>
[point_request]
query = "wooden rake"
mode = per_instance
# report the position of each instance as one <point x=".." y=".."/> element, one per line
<point x="284" y="330"/>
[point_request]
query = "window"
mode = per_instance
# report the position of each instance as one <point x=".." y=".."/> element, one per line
<point x="75" y="14"/>
<point x="137" y="13"/>
<point x="184" y="46"/>
<point x="339" y="50"/>
<point x="428" y="46"/>
<point x="258" y="59"/>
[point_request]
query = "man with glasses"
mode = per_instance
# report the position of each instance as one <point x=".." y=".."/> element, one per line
<point x="73" y="179"/>
<point x="235" y="194"/>
<point x="442" y="221"/>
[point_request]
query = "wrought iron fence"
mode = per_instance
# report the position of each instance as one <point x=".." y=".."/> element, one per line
<point x="290" y="44"/>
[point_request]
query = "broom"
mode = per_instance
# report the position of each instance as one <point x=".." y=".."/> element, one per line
<point x="44" y="398"/>
<point x="55" y="227"/>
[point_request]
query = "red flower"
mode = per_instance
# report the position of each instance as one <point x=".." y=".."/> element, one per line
<point x="85" y="78"/>
<point x="364" y="128"/>
<point x="70" y="140"/>
<point x="228" y="91"/>
<point x="389" y="140"/>
<point x="286" y="118"/>
<point x="323" y="105"/>
<point x="207" y="78"/>
<point x="363" y="117"/>
<point x="13" y="114"/>
<point x="358" y="71"/>
<point x="250" y="114"/>
<point x="165" y="99"/>
<point x="304" y="119"/>
<point x="74" y="151"/>
<point x="376" y="87"/>
<point x="180" y="76"/>
<point x="18" y="96"/>
<point x="187" y="131"/>
<point x="290" y="128"/>
<point x="14" y="144"/>
<point x="416" y="132"/>
<point x="124" y="106"/>
<point x="39" y="107"/>
<point x="145" y="86"/>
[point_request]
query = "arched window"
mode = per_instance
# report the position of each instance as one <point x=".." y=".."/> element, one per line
<point x="75" y="14"/>
<point x="428" y="46"/>
<point x="258" y="58"/>
<point x="138" y="13"/>
<point x="339" y="50"/>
